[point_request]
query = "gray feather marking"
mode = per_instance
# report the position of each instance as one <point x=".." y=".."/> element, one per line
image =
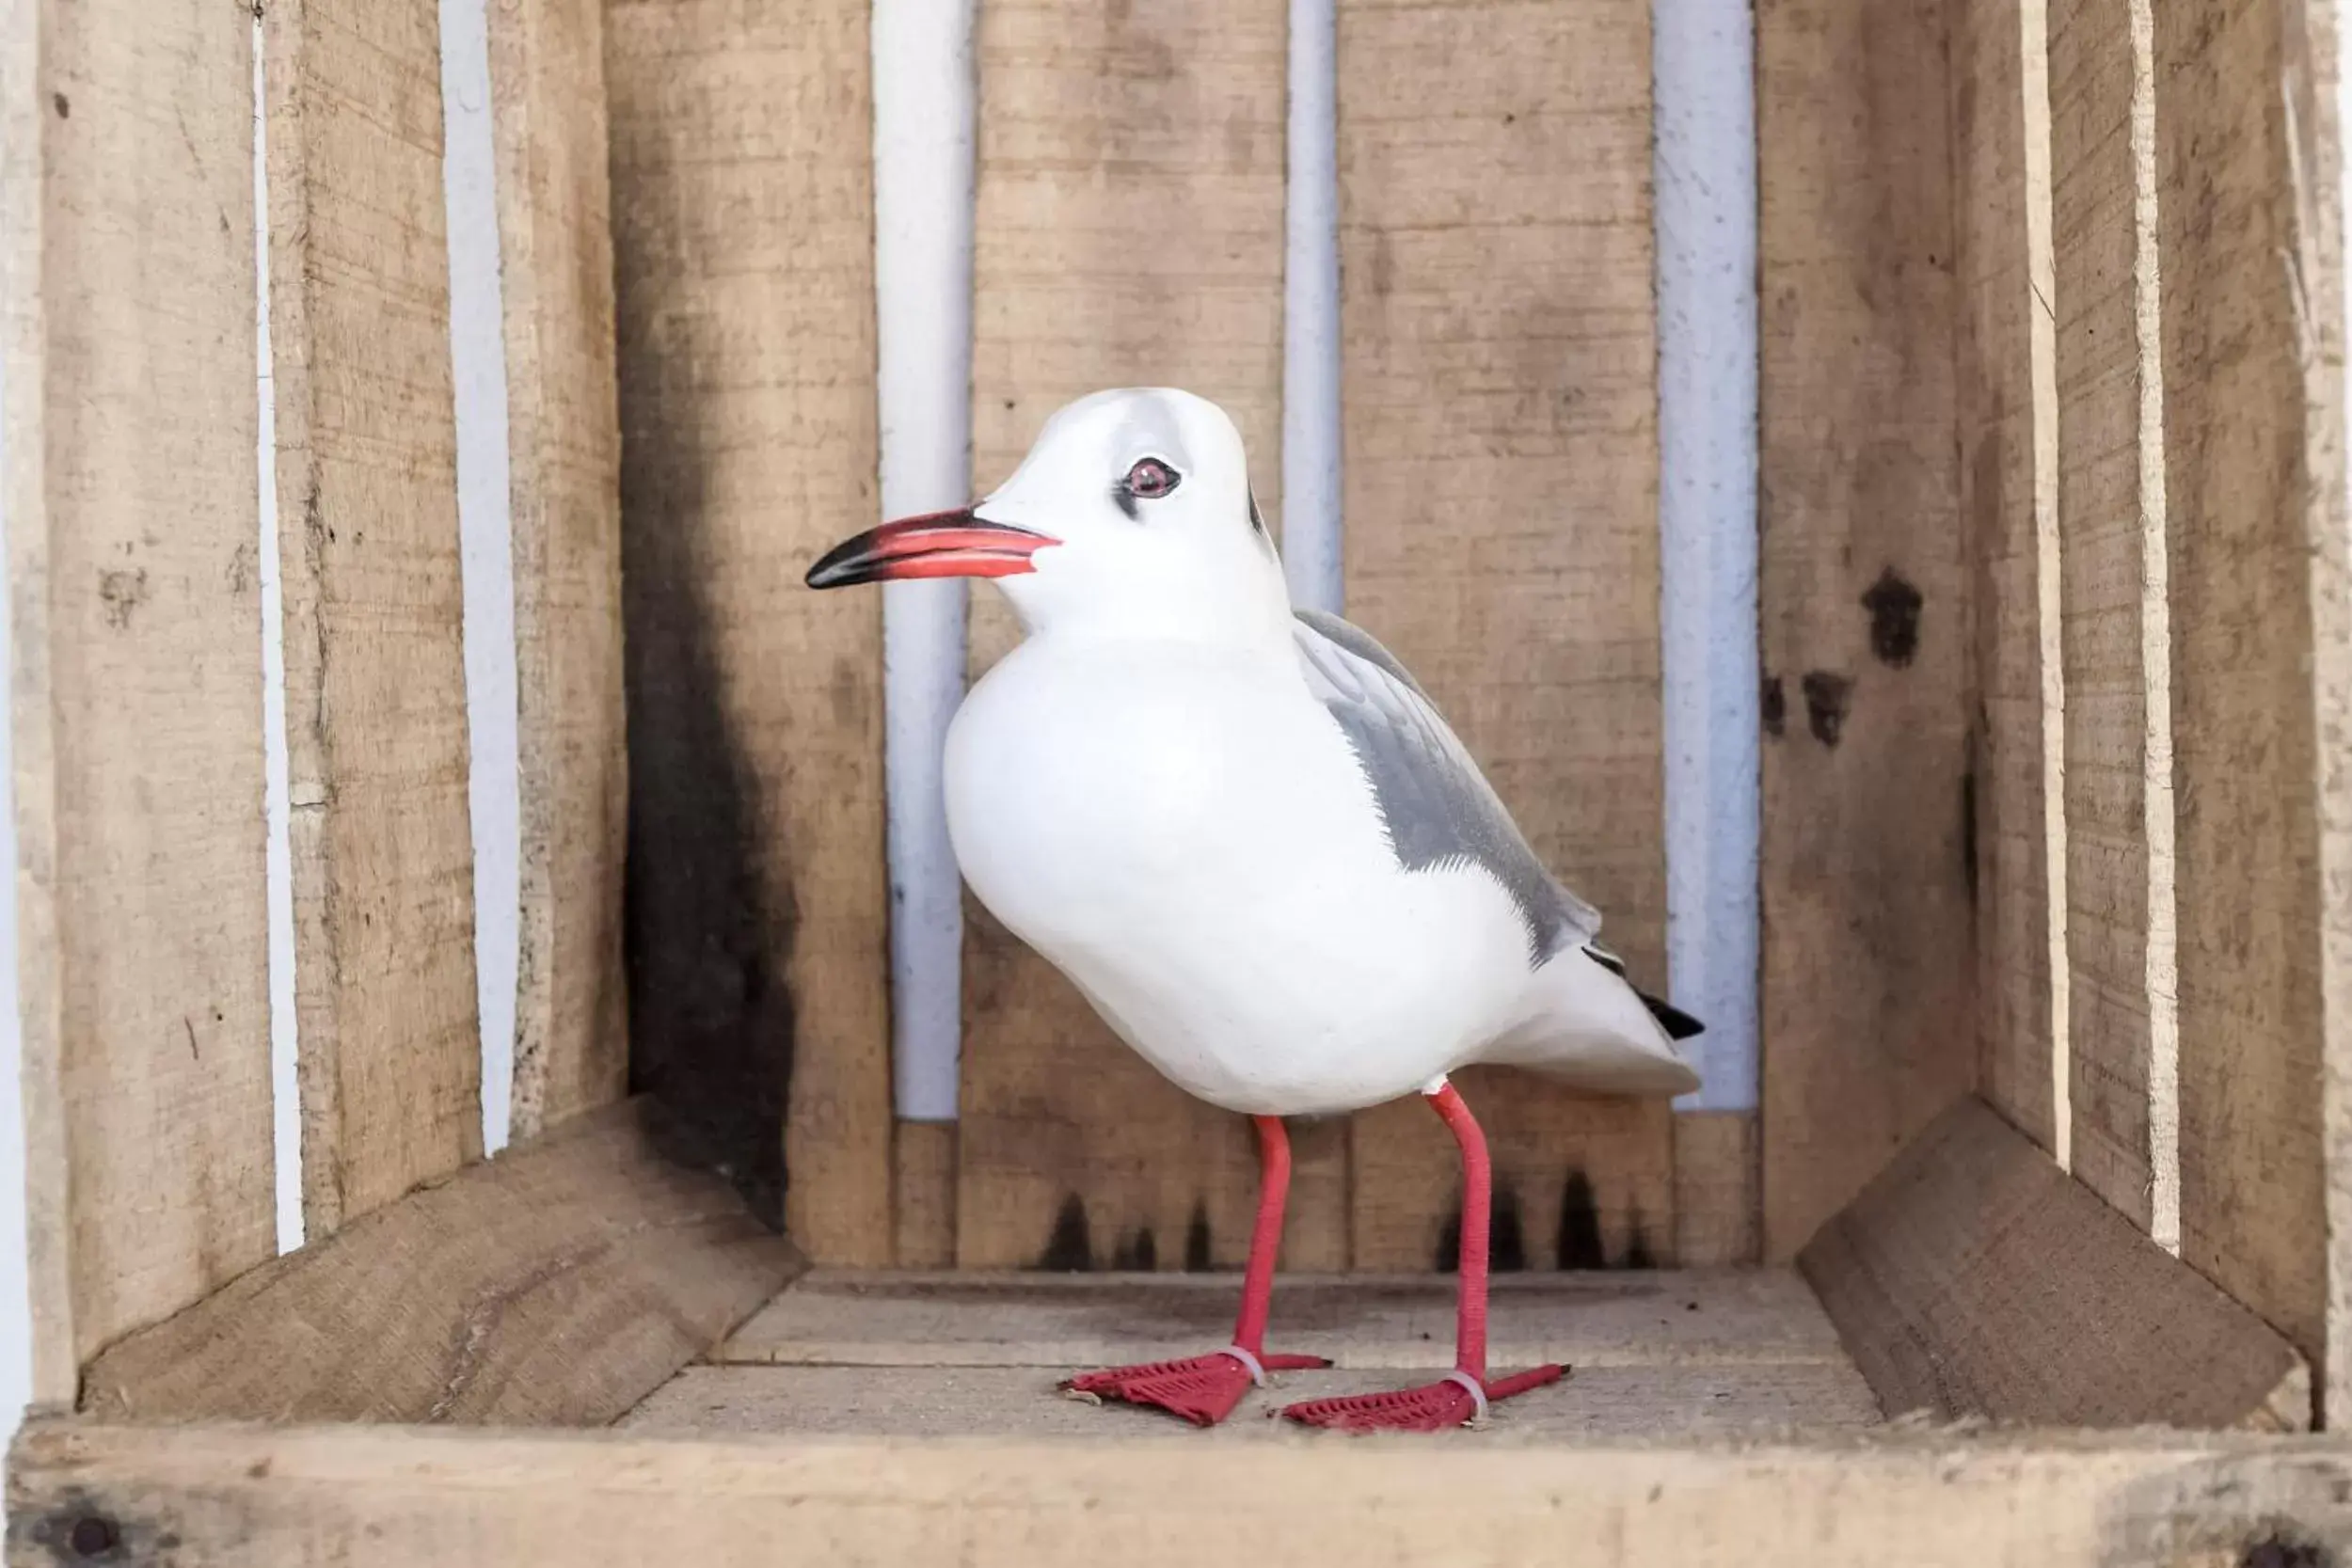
<point x="1436" y="806"/>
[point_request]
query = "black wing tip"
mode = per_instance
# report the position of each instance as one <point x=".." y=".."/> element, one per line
<point x="1678" y="1024"/>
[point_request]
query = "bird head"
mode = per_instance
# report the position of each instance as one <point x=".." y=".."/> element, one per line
<point x="1131" y="515"/>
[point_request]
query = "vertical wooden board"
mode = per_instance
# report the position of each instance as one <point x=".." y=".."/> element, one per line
<point x="1501" y="457"/>
<point x="1867" y="991"/>
<point x="564" y="447"/>
<point x="1716" y="1218"/>
<point x="127" y="271"/>
<point x="2116" y="684"/>
<point x="376" y="682"/>
<point x="2006" y="421"/>
<point x="1129" y="231"/>
<point x="2252" y="358"/>
<point x="743" y="201"/>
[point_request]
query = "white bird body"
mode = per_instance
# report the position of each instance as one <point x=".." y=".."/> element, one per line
<point x="1247" y="836"/>
<point x="1163" y="805"/>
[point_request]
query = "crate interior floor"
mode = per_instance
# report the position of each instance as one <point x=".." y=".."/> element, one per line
<point x="1652" y="1353"/>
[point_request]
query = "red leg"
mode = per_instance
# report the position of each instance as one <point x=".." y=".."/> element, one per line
<point x="1465" y="1394"/>
<point x="1204" y="1389"/>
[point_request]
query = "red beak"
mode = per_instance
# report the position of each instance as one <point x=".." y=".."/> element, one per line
<point x="943" y="545"/>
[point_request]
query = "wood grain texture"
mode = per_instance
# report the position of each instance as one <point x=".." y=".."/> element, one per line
<point x="2123" y="1044"/>
<point x="558" y="1284"/>
<point x="1500" y="489"/>
<point x="923" y="1195"/>
<point x="2252" y="346"/>
<point x="1868" y="998"/>
<point x="995" y="1402"/>
<point x="829" y="1318"/>
<point x="127" y="279"/>
<point x="1974" y="1277"/>
<point x="2007" y="396"/>
<point x="1129" y="231"/>
<point x="563" y="454"/>
<point x="1718" y="1218"/>
<point x="742" y="200"/>
<point x="376" y="745"/>
<point x="472" y="1500"/>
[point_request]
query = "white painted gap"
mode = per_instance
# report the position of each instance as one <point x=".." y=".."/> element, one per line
<point x="2042" y="337"/>
<point x="1703" y="66"/>
<point x="2163" y="970"/>
<point x="924" y="130"/>
<point x="1312" y="557"/>
<point x="284" y="1077"/>
<point x="486" y="548"/>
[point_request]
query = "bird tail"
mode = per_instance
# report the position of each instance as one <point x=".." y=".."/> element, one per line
<point x="1586" y="1026"/>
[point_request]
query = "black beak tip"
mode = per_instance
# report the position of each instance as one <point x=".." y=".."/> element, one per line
<point x="836" y="568"/>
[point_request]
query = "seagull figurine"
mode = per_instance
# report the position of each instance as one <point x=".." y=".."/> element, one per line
<point x="1243" y="832"/>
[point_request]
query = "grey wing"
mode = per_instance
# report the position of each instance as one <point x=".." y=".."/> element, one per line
<point x="1436" y="806"/>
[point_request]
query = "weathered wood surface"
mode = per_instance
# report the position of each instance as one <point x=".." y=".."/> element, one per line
<point x="1718" y="1207"/>
<point x="742" y="207"/>
<point x="1501" y="491"/>
<point x="1617" y="1318"/>
<point x="1129" y="231"/>
<point x="558" y="1284"/>
<point x="563" y="451"/>
<point x="2007" y="391"/>
<point x="127" y="283"/>
<point x="1974" y="1277"/>
<point x="1867" y="996"/>
<point x="377" y="1498"/>
<point x="2252" y="364"/>
<point x="376" y="745"/>
<point x="2123" y="1044"/>
<point x="1669" y="1401"/>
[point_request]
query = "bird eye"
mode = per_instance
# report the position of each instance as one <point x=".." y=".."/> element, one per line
<point x="1151" y="479"/>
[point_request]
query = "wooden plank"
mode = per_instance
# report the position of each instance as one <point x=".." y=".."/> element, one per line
<point x="923" y="1200"/>
<point x="127" y="279"/>
<point x="1129" y="229"/>
<point x="2122" y="1034"/>
<point x="460" y="1499"/>
<point x="390" y="1059"/>
<point x="1717" y="1216"/>
<point x="742" y="200"/>
<point x="563" y="451"/>
<point x="999" y="1402"/>
<point x="2007" y="396"/>
<point x="2253" y="354"/>
<point x="1500" y="425"/>
<point x="558" y="1284"/>
<point x="1974" y="1277"/>
<point x="1650" y="1318"/>
<point x="1868" y="998"/>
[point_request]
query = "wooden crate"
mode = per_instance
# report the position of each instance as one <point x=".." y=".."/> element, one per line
<point x="2036" y="1247"/>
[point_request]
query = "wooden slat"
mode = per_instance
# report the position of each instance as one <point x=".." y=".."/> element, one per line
<point x="382" y="840"/>
<point x="1974" y="1277"/>
<point x="1866" y="987"/>
<point x="2252" y="357"/>
<point x="1129" y="231"/>
<point x="2007" y="398"/>
<point x="2122" y="1049"/>
<point x="923" y="1195"/>
<point x="558" y="1284"/>
<point x="1750" y="1317"/>
<point x="564" y="450"/>
<point x="1717" y="1206"/>
<point x="1501" y="427"/>
<point x="997" y="1402"/>
<point x="459" y="1499"/>
<point x="742" y="200"/>
<point x="127" y="279"/>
